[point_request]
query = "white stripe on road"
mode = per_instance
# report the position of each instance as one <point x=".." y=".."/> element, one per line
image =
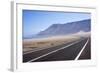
<point x="31" y="51"/>
<point x="82" y="50"/>
<point x="54" y="51"/>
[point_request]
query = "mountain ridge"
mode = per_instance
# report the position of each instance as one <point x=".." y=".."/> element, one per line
<point x="67" y="28"/>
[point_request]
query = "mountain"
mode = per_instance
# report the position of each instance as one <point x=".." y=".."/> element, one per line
<point x="67" y="28"/>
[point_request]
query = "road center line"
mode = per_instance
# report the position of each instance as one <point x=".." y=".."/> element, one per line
<point x="54" y="51"/>
<point x="82" y="50"/>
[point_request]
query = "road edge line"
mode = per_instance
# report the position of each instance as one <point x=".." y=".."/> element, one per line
<point x="81" y="50"/>
<point x="54" y="51"/>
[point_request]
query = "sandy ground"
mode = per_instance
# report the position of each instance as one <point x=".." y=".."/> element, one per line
<point x="43" y="43"/>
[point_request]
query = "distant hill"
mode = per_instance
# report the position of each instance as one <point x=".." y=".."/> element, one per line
<point x="64" y="29"/>
<point x="67" y="28"/>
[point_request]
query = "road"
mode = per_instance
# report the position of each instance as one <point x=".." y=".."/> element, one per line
<point x="78" y="50"/>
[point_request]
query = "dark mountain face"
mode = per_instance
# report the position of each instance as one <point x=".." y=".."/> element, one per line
<point x="67" y="28"/>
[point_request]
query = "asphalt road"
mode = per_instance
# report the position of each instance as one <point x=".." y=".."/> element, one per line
<point x="67" y="51"/>
<point x="86" y="54"/>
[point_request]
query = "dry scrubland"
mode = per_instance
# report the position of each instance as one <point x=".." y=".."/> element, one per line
<point x="39" y="44"/>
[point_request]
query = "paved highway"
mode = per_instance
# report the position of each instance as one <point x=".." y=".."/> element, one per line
<point x="76" y="50"/>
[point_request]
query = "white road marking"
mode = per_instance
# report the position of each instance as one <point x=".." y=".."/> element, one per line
<point x="82" y="50"/>
<point x="31" y="51"/>
<point x="54" y="51"/>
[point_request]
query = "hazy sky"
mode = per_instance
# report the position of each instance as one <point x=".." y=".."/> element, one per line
<point x="36" y="21"/>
